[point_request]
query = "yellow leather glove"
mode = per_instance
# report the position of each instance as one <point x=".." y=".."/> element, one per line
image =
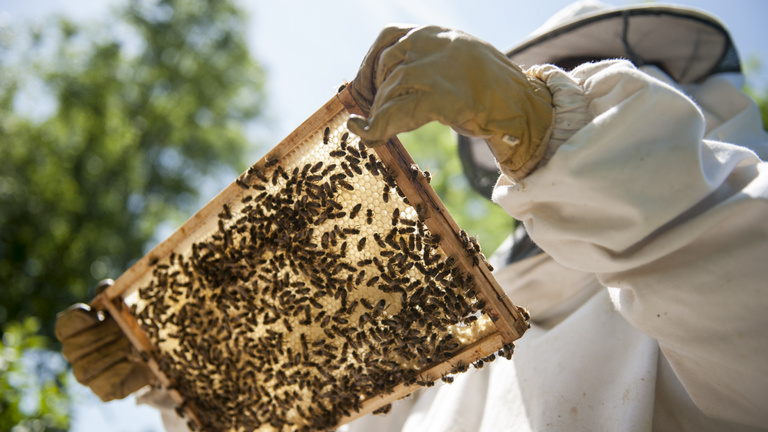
<point x="102" y="358"/>
<point x="412" y="76"/>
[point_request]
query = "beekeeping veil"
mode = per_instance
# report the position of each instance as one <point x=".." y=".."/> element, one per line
<point x="688" y="44"/>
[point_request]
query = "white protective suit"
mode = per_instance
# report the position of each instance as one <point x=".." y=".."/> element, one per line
<point x="650" y="311"/>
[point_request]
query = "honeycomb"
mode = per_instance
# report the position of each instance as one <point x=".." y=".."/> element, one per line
<point x="319" y="287"/>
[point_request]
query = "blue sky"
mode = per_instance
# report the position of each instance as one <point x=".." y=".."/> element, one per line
<point x="308" y="54"/>
<point x="309" y="48"/>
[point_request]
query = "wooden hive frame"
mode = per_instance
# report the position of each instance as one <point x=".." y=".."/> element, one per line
<point x="508" y="321"/>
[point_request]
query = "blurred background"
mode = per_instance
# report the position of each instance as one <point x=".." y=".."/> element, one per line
<point x="120" y="118"/>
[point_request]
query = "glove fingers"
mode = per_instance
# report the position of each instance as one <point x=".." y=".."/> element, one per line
<point x="139" y="376"/>
<point x="75" y="319"/>
<point x="120" y="380"/>
<point x="98" y="361"/>
<point x="92" y="339"/>
<point x="396" y="111"/>
<point x="363" y="88"/>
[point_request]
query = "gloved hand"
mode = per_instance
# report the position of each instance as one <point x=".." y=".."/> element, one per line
<point x="101" y="355"/>
<point x="412" y="76"/>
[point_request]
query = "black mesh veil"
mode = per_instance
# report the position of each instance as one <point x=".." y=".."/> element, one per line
<point x="688" y="45"/>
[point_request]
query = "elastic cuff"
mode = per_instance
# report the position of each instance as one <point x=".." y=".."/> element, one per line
<point x="570" y="103"/>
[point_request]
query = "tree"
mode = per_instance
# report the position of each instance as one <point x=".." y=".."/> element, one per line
<point x="753" y="67"/>
<point x="138" y="114"/>
<point x="32" y="394"/>
<point x="130" y="140"/>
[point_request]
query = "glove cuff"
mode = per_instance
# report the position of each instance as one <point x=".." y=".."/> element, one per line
<point x="519" y="155"/>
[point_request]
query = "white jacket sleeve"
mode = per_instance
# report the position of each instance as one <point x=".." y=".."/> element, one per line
<point x="160" y="399"/>
<point x="673" y="224"/>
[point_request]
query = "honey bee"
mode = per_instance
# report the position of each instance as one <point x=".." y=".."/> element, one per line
<point x="379" y="241"/>
<point x="485" y="261"/>
<point x="383" y="410"/>
<point x="355" y="210"/>
<point x="326" y="135"/>
<point x="460" y="368"/>
<point x="352" y="306"/>
<point x="380" y="306"/>
<point x="320" y="316"/>
<point x="470" y="319"/>
<point x="372" y="165"/>
<point x="414" y="172"/>
<point x="316" y="167"/>
<point x="325" y="240"/>
<point x="356" y="167"/>
<point x="287" y="325"/>
<point x="524" y="312"/>
<point x="241" y="183"/>
<point x="343" y="250"/>
<point x="366" y="317"/>
<point x="226" y="214"/>
<point x="425" y="382"/>
<point x="353" y="152"/>
<point x="255" y="171"/>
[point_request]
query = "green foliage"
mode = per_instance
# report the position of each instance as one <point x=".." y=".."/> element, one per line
<point x="761" y="98"/>
<point x="762" y="101"/>
<point x="143" y="110"/>
<point x="753" y="67"/>
<point x="32" y="393"/>
<point x="434" y="148"/>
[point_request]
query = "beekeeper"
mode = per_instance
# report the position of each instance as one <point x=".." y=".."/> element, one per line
<point x="642" y="182"/>
<point x="632" y="158"/>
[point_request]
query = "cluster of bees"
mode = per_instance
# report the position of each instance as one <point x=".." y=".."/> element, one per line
<point x="320" y="288"/>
